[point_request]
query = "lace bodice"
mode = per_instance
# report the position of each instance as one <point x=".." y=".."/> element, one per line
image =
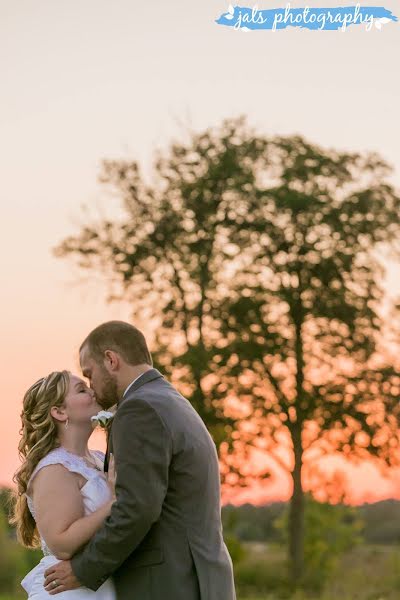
<point x="95" y="491"/>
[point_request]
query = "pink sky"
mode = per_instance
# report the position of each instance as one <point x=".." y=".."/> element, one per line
<point x="93" y="80"/>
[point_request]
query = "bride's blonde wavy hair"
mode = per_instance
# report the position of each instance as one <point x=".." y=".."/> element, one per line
<point x="38" y="437"/>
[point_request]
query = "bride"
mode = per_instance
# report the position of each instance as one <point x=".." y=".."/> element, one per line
<point x="63" y="495"/>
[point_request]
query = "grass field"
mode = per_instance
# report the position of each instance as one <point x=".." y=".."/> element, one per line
<point x="365" y="573"/>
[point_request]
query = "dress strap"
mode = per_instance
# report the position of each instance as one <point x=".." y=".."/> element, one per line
<point x="100" y="455"/>
<point x="72" y="462"/>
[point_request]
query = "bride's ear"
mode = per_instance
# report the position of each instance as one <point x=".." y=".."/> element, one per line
<point x="58" y="413"/>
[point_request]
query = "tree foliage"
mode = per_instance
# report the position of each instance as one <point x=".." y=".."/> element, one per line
<point x="258" y="260"/>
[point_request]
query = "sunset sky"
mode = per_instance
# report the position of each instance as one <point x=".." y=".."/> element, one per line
<point x="83" y="81"/>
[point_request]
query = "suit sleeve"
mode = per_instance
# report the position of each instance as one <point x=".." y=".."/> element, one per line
<point x="142" y="449"/>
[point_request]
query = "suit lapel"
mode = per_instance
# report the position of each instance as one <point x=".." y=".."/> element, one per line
<point x="147" y="376"/>
<point x="109" y="448"/>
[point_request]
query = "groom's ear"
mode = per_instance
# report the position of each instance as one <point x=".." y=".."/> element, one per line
<point x="112" y="360"/>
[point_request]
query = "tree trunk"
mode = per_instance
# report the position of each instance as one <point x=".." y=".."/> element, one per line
<point x="296" y="512"/>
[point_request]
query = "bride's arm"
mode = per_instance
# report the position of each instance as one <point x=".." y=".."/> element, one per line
<point x="59" y="511"/>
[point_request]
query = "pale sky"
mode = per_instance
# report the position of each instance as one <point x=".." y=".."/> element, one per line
<point x="83" y="81"/>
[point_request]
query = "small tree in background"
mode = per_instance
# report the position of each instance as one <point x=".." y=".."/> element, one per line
<point x="257" y="261"/>
<point x="330" y="532"/>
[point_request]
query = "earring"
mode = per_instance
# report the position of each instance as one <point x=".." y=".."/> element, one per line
<point x="66" y="424"/>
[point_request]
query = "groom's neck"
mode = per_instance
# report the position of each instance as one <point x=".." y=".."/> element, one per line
<point x="129" y="375"/>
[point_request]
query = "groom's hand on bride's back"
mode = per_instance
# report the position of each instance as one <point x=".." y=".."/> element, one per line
<point x="60" y="578"/>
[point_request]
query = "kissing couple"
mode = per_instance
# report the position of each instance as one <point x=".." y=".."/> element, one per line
<point x="142" y="522"/>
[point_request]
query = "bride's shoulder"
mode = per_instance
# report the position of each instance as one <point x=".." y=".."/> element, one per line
<point x="58" y="456"/>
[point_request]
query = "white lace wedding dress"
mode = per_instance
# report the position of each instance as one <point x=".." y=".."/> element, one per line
<point x="95" y="492"/>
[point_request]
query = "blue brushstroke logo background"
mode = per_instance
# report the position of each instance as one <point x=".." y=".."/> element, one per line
<point x="333" y="19"/>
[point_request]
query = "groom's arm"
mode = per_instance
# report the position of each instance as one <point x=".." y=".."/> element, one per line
<point x="142" y="450"/>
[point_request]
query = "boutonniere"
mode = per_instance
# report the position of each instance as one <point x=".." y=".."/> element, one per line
<point x="103" y="419"/>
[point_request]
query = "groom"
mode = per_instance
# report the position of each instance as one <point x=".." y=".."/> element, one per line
<point x="163" y="539"/>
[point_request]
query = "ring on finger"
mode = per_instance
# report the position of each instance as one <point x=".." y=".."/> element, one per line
<point x="55" y="583"/>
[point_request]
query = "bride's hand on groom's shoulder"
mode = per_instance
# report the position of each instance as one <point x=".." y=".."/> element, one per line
<point x="111" y="476"/>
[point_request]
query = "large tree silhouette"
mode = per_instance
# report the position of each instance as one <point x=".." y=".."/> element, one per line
<point x="258" y="259"/>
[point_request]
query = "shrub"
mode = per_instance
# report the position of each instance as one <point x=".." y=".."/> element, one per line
<point x="330" y="531"/>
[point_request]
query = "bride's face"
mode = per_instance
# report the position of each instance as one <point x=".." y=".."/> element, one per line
<point x="80" y="401"/>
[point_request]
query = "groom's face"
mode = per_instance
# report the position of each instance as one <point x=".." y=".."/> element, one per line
<point x="101" y="381"/>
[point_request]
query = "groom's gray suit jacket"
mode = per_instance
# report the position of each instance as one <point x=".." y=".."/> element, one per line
<point x="163" y="539"/>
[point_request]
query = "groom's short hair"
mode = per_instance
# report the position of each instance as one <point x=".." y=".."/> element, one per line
<point x="121" y="337"/>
